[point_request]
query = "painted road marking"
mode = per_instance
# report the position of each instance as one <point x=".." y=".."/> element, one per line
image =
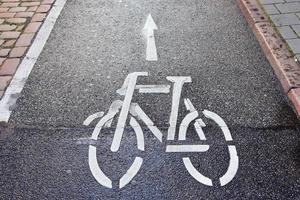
<point x="17" y="83"/>
<point x="132" y="171"/>
<point x="177" y="88"/>
<point x="187" y="148"/>
<point x="150" y="26"/>
<point x="136" y="114"/>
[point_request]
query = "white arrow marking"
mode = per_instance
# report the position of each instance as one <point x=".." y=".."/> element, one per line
<point x="150" y="26"/>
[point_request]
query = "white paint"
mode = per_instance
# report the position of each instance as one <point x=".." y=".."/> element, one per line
<point x="142" y="115"/>
<point x="198" y="126"/>
<point x="125" y="109"/>
<point x="92" y="118"/>
<point x="114" y="108"/>
<point x="153" y="89"/>
<point x="177" y="88"/>
<point x="187" y="148"/>
<point x="188" y="105"/>
<point x="17" y="84"/>
<point x="131" y="172"/>
<point x="95" y="169"/>
<point x="149" y="27"/>
<point x="139" y="133"/>
<point x="195" y="173"/>
<point x="220" y="122"/>
<point x="199" y="122"/>
<point x="232" y="168"/>
<point x="185" y="124"/>
<point x="100" y="124"/>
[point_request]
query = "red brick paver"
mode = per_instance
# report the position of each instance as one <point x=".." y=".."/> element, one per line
<point x="20" y="20"/>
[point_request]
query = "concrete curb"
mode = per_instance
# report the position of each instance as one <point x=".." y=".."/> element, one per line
<point x="275" y="49"/>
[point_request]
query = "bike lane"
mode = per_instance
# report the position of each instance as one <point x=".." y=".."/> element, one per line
<point x="93" y="47"/>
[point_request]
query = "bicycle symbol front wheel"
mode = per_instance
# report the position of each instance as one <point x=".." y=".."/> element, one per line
<point x="98" y="174"/>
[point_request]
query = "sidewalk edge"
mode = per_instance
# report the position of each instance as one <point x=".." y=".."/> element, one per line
<point x="17" y="84"/>
<point x="275" y="49"/>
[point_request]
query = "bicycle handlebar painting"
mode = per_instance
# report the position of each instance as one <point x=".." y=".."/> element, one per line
<point x="126" y="109"/>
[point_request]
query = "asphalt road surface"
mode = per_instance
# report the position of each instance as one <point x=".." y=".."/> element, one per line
<point x="94" y="45"/>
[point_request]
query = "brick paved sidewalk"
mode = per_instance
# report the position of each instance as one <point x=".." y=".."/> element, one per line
<point x="20" y="20"/>
<point x="285" y="15"/>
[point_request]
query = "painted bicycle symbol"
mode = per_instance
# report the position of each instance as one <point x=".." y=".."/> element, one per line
<point x="135" y="113"/>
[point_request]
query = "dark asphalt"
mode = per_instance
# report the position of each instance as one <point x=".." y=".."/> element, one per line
<point x="95" y="44"/>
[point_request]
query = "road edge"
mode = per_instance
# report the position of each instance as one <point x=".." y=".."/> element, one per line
<point x="286" y="69"/>
<point x="19" y="79"/>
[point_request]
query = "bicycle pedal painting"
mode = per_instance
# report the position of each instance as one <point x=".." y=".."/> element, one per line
<point x="126" y="109"/>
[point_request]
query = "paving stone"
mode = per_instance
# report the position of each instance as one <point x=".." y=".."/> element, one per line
<point x="271" y="1"/>
<point x="271" y="9"/>
<point x="32" y="8"/>
<point x="9" y="67"/>
<point x="7" y="15"/>
<point x="24" y="14"/>
<point x="48" y="1"/>
<point x="1" y="21"/>
<point x="17" y="9"/>
<point x="30" y="4"/>
<point x="20" y="28"/>
<point x="17" y="52"/>
<point x="9" y="0"/>
<point x="288" y="7"/>
<point x="16" y="20"/>
<point x="287" y="32"/>
<point x="1" y="42"/>
<point x="296" y="28"/>
<point x="285" y="19"/>
<point x="9" y="5"/>
<point x="38" y="17"/>
<point x="43" y="8"/>
<point x="25" y="40"/>
<point x="9" y="43"/>
<point x="2" y="60"/>
<point x="4" y="9"/>
<point x="32" y="27"/>
<point x="4" y="52"/>
<point x="4" y="81"/>
<point x="294" y="45"/>
<point x="6" y="27"/>
<point x="10" y="35"/>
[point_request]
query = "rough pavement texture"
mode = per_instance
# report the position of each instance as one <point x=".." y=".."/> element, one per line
<point x="20" y="20"/>
<point x="44" y="155"/>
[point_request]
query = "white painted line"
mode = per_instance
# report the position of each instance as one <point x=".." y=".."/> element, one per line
<point x="220" y="122"/>
<point x="139" y="133"/>
<point x="142" y="115"/>
<point x="95" y="169"/>
<point x="150" y="26"/>
<point x="17" y="84"/>
<point x="92" y="118"/>
<point x="232" y="168"/>
<point x="195" y="173"/>
<point x="100" y="124"/>
<point x="125" y="109"/>
<point x="114" y="108"/>
<point x="153" y="88"/>
<point x="185" y="124"/>
<point x="198" y="126"/>
<point x="177" y="88"/>
<point x="187" y="148"/>
<point x="188" y="105"/>
<point x="131" y="173"/>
